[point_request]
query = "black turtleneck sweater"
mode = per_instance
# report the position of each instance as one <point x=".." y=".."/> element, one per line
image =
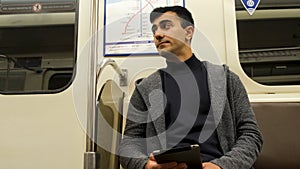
<point x="187" y="106"/>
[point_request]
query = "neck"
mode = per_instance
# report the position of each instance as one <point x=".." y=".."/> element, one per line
<point x="185" y="55"/>
<point x="181" y="56"/>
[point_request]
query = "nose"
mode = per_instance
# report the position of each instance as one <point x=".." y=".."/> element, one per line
<point x="158" y="35"/>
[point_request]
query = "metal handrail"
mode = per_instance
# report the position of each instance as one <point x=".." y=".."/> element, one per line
<point x="122" y="73"/>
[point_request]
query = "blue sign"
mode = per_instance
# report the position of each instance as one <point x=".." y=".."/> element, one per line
<point x="250" y="5"/>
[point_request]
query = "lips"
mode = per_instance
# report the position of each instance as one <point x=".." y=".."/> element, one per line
<point x="162" y="43"/>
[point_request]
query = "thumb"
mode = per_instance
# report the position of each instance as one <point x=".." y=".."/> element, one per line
<point x="151" y="157"/>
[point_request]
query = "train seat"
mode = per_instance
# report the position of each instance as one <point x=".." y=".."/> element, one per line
<point x="279" y="124"/>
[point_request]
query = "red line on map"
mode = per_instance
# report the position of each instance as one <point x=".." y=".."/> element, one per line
<point x="140" y="11"/>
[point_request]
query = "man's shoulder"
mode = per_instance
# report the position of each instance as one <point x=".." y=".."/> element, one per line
<point x="152" y="80"/>
<point x="213" y="66"/>
<point x="216" y="70"/>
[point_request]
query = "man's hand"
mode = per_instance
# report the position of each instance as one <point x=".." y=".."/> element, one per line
<point x="152" y="164"/>
<point x="210" y="166"/>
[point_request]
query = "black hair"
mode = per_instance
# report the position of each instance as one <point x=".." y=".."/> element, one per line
<point x="181" y="12"/>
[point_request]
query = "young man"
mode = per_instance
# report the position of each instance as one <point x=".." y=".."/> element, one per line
<point x="188" y="102"/>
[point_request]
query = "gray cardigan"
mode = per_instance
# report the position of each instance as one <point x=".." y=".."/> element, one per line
<point x="237" y="129"/>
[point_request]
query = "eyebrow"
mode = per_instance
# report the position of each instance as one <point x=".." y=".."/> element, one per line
<point x="164" y="21"/>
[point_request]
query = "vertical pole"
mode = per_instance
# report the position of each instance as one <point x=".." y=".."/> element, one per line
<point x="91" y="96"/>
<point x="91" y="157"/>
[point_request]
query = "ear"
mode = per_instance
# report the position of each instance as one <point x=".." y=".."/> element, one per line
<point x="189" y="32"/>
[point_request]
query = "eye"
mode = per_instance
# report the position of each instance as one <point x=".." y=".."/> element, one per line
<point x="166" y="25"/>
<point x="154" y="29"/>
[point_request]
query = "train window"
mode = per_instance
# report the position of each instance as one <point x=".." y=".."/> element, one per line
<point x="269" y="42"/>
<point x="37" y="37"/>
<point x="56" y="79"/>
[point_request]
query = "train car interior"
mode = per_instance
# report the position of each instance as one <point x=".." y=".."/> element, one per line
<point x="48" y="49"/>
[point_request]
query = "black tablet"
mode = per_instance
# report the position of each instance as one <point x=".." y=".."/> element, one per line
<point x="189" y="155"/>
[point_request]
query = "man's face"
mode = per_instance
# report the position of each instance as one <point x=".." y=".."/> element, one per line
<point x="169" y="35"/>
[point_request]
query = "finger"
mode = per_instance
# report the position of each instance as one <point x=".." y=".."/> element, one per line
<point x="182" y="166"/>
<point x="168" y="165"/>
<point x="204" y="165"/>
